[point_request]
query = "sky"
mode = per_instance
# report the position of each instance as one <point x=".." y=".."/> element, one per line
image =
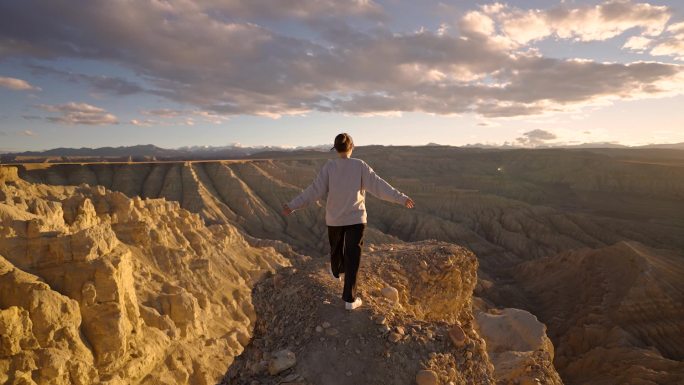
<point x="94" y="73"/>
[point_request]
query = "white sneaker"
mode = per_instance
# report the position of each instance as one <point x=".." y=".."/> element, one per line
<point x="353" y="305"/>
<point x="333" y="275"/>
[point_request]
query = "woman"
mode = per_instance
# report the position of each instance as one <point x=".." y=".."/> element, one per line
<point x="345" y="180"/>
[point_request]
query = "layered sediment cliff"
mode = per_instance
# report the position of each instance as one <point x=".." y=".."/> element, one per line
<point x="100" y="288"/>
<point x="615" y="313"/>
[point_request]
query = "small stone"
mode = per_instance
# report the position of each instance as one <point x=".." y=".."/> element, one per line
<point x="326" y="325"/>
<point x="384" y="329"/>
<point x="278" y="281"/>
<point x="390" y="293"/>
<point x="379" y="320"/>
<point x="349" y="374"/>
<point x="452" y="373"/>
<point x="331" y="331"/>
<point x="357" y="351"/>
<point x="258" y="367"/>
<point x="282" y="360"/>
<point x="469" y="355"/>
<point x="254" y="382"/>
<point x="394" y="337"/>
<point x="400" y="330"/>
<point x="427" y="377"/>
<point x="319" y="329"/>
<point x="291" y="377"/>
<point x="457" y="336"/>
<point x="423" y="264"/>
<point x="529" y="381"/>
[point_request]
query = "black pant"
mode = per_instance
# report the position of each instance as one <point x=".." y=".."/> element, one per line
<point x="345" y="255"/>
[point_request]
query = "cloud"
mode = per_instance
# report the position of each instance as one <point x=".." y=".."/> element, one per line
<point x="637" y="43"/>
<point x="295" y="9"/>
<point x="79" y="114"/>
<point x="99" y="83"/>
<point x="670" y="47"/>
<point x="187" y="116"/>
<point x="670" y="43"/>
<point x="164" y="112"/>
<point x="583" y="23"/>
<point x="144" y="122"/>
<point x="17" y="84"/>
<point x="196" y="54"/>
<point x="28" y="133"/>
<point x="536" y="137"/>
<point x="113" y="85"/>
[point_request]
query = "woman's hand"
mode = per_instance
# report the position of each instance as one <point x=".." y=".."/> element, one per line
<point x="409" y="203"/>
<point x="287" y="210"/>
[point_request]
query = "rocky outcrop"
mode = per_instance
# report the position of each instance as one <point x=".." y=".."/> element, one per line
<point x="96" y="287"/>
<point x="40" y="340"/>
<point x="304" y="331"/>
<point x="518" y="347"/>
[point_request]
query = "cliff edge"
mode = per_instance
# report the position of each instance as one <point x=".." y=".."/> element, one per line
<point x="416" y="325"/>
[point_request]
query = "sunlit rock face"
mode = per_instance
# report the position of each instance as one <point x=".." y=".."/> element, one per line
<point x="518" y="347"/>
<point x="100" y="288"/>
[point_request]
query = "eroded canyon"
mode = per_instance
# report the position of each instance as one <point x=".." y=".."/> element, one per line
<point x="589" y="242"/>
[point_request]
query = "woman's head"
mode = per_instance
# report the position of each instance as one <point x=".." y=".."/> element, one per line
<point x="343" y="143"/>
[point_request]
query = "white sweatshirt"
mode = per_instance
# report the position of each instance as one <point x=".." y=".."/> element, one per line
<point x="346" y="181"/>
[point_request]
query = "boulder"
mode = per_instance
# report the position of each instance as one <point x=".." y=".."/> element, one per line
<point x="427" y="377"/>
<point x="390" y="293"/>
<point x="280" y="361"/>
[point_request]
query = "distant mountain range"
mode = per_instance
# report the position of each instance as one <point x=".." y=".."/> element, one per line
<point x="147" y="152"/>
<point x="592" y="145"/>
<point x="151" y="152"/>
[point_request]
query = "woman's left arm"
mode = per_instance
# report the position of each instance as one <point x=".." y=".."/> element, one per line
<point x="377" y="186"/>
<point x="315" y="192"/>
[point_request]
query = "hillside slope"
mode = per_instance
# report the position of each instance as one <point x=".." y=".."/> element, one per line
<point x="616" y="312"/>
